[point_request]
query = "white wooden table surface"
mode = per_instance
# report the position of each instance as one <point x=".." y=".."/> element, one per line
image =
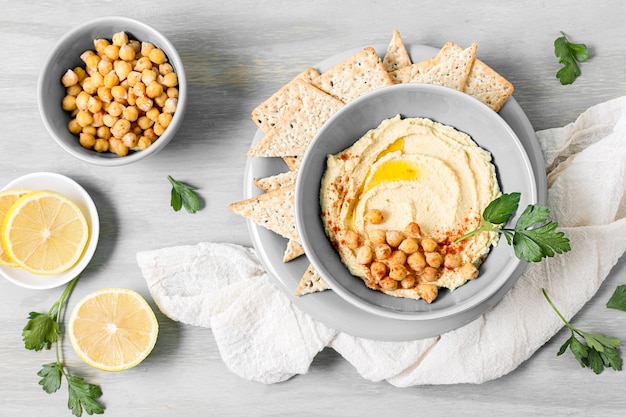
<point x="236" y="53"/>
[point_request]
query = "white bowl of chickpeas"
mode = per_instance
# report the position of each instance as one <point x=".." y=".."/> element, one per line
<point x="499" y="271"/>
<point x="113" y="91"/>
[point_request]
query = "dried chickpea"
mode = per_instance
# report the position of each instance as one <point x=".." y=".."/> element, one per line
<point x="397" y="272"/>
<point x="157" y="56"/>
<point x="80" y="72"/>
<point x="116" y="145"/>
<point x="376" y="236"/>
<point x="364" y="255"/>
<point x="146" y="47"/>
<point x="413" y="230"/>
<point x="69" y="103"/>
<point x="127" y="52"/>
<point x="74" y="90"/>
<point x="98" y="120"/>
<point x="130" y="139"/>
<point x="92" y="60"/>
<point x="374" y="216"/>
<point x="397" y="257"/>
<point x="428" y="292"/>
<point x="408" y="282"/>
<point x="170" y="105"/>
<point x="148" y="75"/>
<point x="94" y="104"/>
<point x="139" y="89"/>
<point x="429" y="245"/>
<point x="145" y="122"/>
<point x="133" y="78"/>
<point x="74" y="127"/>
<point x="394" y="238"/>
<point x="115" y="109"/>
<point x="122" y="69"/>
<point x="136" y="45"/>
<point x="430" y="274"/>
<point x="91" y="129"/>
<point x="111" y="79"/>
<point x="143" y="143"/>
<point x="119" y="38"/>
<point x="469" y="271"/>
<point x="160" y="100"/>
<point x="130" y="113"/>
<point x="351" y="237"/>
<point x="120" y="128"/>
<point x="112" y="52"/>
<point x="165" y="68"/>
<point x="109" y="120"/>
<point x="164" y="119"/>
<point x="172" y="92"/>
<point x="388" y="284"/>
<point x="452" y="260"/>
<point x="144" y="104"/>
<point x="103" y="132"/>
<point x="84" y="118"/>
<point x="97" y="79"/>
<point x="142" y="64"/>
<point x="101" y="145"/>
<point x="69" y="79"/>
<point x="416" y="261"/>
<point x="89" y="86"/>
<point x="154" y="89"/>
<point x="100" y="44"/>
<point x="433" y="259"/>
<point x="119" y="93"/>
<point x="378" y="270"/>
<point x="158" y="129"/>
<point x="104" y="94"/>
<point x="382" y="251"/>
<point x="104" y="67"/>
<point x="409" y="245"/>
<point x="170" y="80"/>
<point x="87" y="140"/>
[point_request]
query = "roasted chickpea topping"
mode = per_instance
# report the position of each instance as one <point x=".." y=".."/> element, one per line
<point x="121" y="82"/>
<point x="403" y="259"/>
<point x="374" y="216"/>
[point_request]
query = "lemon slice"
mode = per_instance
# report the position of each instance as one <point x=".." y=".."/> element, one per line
<point x="7" y="198"/>
<point x="44" y="232"/>
<point x="113" y="329"/>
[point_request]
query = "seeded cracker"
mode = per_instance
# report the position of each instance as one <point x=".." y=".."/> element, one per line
<point x="274" y="182"/>
<point x="294" y="249"/>
<point x="396" y="56"/>
<point x="273" y="210"/>
<point x="358" y="74"/>
<point x="266" y="114"/>
<point x="293" y="133"/>
<point x="310" y="282"/>
<point x="451" y="71"/>
<point x="293" y="162"/>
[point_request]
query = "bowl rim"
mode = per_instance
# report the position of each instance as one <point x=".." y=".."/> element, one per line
<point x="173" y="57"/>
<point x="81" y="197"/>
<point x="513" y="269"/>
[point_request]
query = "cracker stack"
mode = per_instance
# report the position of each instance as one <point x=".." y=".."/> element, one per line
<point x="291" y="117"/>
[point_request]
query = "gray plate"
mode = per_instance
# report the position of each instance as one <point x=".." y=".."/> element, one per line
<point x="333" y="310"/>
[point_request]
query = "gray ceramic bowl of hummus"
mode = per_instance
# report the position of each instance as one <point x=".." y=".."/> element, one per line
<point x="452" y="113"/>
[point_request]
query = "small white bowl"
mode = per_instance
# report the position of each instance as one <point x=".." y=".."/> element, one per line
<point x="76" y="193"/>
<point x="66" y="54"/>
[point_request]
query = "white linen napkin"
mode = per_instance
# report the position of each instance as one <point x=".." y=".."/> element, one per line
<point x="263" y="337"/>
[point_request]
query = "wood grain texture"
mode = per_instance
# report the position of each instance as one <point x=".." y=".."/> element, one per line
<point x="236" y="53"/>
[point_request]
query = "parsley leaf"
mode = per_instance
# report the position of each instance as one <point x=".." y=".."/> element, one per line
<point x="183" y="195"/>
<point x="597" y="352"/>
<point x="569" y="54"/>
<point x="618" y="299"/>
<point x="41" y="331"/>
<point x="533" y="237"/>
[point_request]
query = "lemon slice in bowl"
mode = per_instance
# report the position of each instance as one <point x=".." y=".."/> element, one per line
<point x="44" y="232"/>
<point x="113" y="329"/>
<point x="7" y="198"/>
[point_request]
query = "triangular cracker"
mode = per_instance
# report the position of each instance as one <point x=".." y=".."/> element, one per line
<point x="294" y="132"/>
<point x="402" y="75"/>
<point x="273" y="210"/>
<point x="266" y="114"/>
<point x="274" y="182"/>
<point x="310" y="282"/>
<point x="294" y="249"/>
<point x="396" y="56"/>
<point x="356" y="75"/>
<point x="451" y="71"/>
<point x="293" y="162"/>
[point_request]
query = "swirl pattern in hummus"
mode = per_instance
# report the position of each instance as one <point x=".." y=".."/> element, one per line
<point x="412" y="170"/>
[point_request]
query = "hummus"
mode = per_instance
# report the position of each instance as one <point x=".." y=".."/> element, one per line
<point x="409" y="179"/>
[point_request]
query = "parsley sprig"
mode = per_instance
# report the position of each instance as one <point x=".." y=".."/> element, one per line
<point x="533" y="237"/>
<point x="596" y="351"/>
<point x="41" y="332"/>
<point x="183" y="195"/>
<point x="569" y="54"/>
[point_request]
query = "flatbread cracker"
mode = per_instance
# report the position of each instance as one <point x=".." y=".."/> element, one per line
<point x="268" y="113"/>
<point x="273" y="210"/>
<point x="450" y="71"/>
<point x="293" y="162"/>
<point x="310" y="282"/>
<point x="484" y="83"/>
<point x="356" y="75"/>
<point x="396" y="56"/>
<point x="294" y="250"/>
<point x="274" y="182"/>
<point x="292" y="134"/>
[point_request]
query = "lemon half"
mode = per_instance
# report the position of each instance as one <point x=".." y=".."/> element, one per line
<point x="113" y="329"/>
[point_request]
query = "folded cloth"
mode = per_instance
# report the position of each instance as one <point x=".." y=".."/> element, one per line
<point x="263" y="337"/>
